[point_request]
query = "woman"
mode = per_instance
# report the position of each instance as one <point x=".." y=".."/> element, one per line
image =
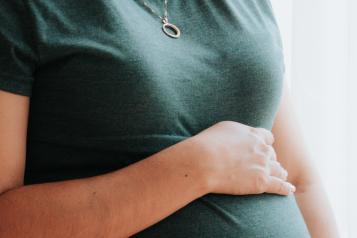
<point x="112" y="126"/>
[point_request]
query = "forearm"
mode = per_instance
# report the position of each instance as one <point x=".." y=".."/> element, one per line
<point x="116" y="204"/>
<point x="316" y="209"/>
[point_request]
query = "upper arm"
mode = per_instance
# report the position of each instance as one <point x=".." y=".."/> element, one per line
<point x="13" y="127"/>
<point x="289" y="144"/>
<point x="18" y="61"/>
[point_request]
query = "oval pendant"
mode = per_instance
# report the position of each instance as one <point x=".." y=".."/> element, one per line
<point x="173" y="27"/>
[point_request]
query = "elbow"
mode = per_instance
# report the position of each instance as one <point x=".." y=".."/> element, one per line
<point x="305" y="181"/>
<point x="8" y="186"/>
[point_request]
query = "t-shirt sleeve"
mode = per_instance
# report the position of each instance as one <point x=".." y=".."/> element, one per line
<point x="18" y="58"/>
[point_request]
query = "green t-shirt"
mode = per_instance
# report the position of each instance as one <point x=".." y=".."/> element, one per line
<point x="108" y="88"/>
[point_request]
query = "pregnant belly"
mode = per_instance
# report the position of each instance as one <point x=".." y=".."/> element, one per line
<point x="219" y="215"/>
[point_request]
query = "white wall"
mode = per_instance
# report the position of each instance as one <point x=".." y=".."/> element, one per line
<point x="321" y="50"/>
<point x="351" y="116"/>
<point x="319" y="74"/>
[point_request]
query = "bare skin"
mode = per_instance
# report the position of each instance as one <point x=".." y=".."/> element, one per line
<point x="293" y="155"/>
<point x="108" y="205"/>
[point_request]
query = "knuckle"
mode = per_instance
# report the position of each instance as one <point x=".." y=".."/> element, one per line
<point x="261" y="159"/>
<point x="285" y="174"/>
<point x="271" y="157"/>
<point x="256" y="134"/>
<point x="267" y="132"/>
<point x="258" y="140"/>
<point x="262" y="129"/>
<point x="271" y="136"/>
<point x="264" y="147"/>
<point x="274" y="155"/>
<point x="253" y="130"/>
<point x="283" y="171"/>
<point x="267" y="149"/>
<point x="270" y="152"/>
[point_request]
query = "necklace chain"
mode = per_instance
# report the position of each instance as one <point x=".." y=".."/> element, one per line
<point x="165" y="17"/>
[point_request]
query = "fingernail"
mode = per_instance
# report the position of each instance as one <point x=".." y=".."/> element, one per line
<point x="292" y="188"/>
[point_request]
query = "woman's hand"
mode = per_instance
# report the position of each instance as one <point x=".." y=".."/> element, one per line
<point x="240" y="160"/>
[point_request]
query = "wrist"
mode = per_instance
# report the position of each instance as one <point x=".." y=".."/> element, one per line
<point x="201" y="155"/>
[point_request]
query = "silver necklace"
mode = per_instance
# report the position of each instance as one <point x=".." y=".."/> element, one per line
<point x="165" y="21"/>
